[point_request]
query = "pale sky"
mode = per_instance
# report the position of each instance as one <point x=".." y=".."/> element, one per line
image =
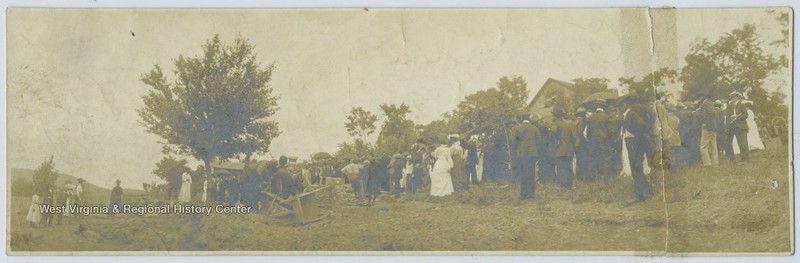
<point x="73" y="75"/>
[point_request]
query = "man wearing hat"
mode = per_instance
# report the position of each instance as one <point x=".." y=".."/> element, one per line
<point x="582" y="155"/>
<point x="711" y="122"/>
<point x="472" y="159"/>
<point x="395" y="167"/>
<point x="736" y="122"/>
<point x="546" y="144"/>
<point x="353" y="173"/>
<point x="418" y="152"/>
<point x="639" y="122"/>
<point x="370" y="177"/>
<point x="116" y="199"/>
<point x="600" y="142"/>
<point x="689" y="130"/>
<point x="564" y="148"/>
<point x="524" y="138"/>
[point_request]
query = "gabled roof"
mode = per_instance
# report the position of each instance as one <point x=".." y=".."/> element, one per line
<point x="549" y="83"/>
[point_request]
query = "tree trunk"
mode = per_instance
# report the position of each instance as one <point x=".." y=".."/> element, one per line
<point x="508" y="152"/>
<point x="207" y="168"/>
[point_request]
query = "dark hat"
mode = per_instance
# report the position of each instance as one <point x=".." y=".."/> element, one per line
<point x="559" y="113"/>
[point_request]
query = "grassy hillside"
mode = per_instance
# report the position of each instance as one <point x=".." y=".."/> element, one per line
<point x="21" y="186"/>
<point x="731" y="208"/>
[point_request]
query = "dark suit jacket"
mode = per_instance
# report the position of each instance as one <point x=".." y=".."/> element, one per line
<point x="525" y="136"/>
<point x="711" y="117"/>
<point x="639" y="120"/>
<point x="738" y="120"/>
<point x="598" y="132"/>
<point x="566" y="137"/>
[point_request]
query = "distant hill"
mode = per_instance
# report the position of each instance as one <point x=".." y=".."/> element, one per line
<point x="21" y="185"/>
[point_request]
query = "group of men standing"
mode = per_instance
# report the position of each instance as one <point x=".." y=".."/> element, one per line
<point x="625" y="136"/>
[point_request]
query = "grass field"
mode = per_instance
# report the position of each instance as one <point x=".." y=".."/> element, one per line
<point x="727" y="209"/>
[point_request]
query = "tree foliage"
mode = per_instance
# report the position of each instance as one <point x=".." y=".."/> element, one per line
<point x="785" y="20"/>
<point x="357" y="150"/>
<point x="360" y="123"/>
<point x="170" y="169"/>
<point x="588" y="86"/>
<point x="44" y="177"/>
<point x="647" y="88"/>
<point x="489" y="110"/>
<point x="397" y="132"/>
<point x="735" y="62"/>
<point x="219" y="104"/>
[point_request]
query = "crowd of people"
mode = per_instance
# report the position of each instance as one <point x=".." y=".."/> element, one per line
<point x="601" y="140"/>
<point x="627" y="136"/>
<point x="67" y="195"/>
<point x="632" y="136"/>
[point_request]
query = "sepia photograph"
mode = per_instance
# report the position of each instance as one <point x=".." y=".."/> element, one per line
<point x="400" y="131"/>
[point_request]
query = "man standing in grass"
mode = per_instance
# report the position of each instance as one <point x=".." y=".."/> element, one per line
<point x="353" y="173"/>
<point x="116" y="199"/>
<point x="565" y="139"/>
<point x="709" y="116"/>
<point x="600" y="141"/>
<point x="737" y="127"/>
<point x="640" y="142"/>
<point x="524" y="138"/>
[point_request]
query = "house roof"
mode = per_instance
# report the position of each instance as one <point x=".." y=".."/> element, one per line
<point x="549" y="83"/>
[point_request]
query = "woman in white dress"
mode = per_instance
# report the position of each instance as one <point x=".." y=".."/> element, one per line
<point x="186" y="188"/>
<point x="34" y="214"/>
<point x="441" y="182"/>
<point x="754" y="141"/>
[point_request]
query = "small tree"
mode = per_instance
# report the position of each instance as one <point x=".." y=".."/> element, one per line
<point x="170" y="170"/>
<point x="398" y="132"/>
<point x="45" y="177"/>
<point x="360" y="123"/>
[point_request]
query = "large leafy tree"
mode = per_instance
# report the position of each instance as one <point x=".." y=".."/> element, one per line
<point x="735" y="62"/>
<point x="489" y="111"/>
<point x="514" y="90"/>
<point x="218" y="105"/>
